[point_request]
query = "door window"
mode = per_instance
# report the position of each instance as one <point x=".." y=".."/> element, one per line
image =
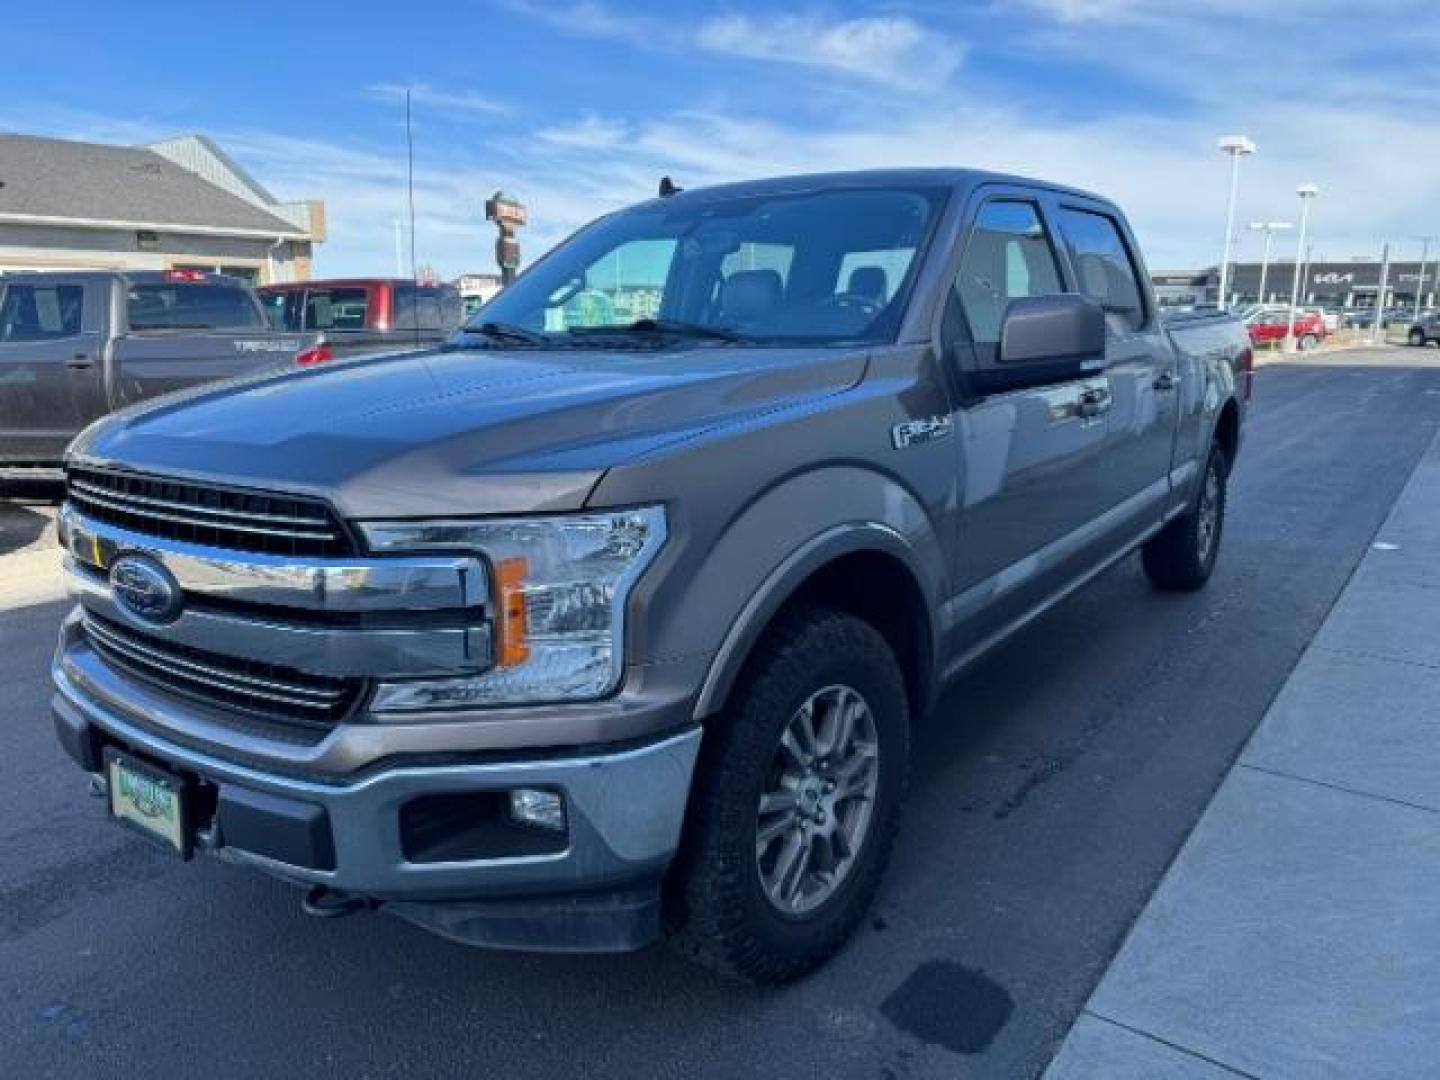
<point x="41" y="312"/>
<point x="1104" y="266"/>
<point x="186" y="306"/>
<point x="1008" y="256"/>
<point x="336" y="309"/>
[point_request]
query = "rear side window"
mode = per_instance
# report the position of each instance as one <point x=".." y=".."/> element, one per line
<point x="1104" y="265"/>
<point x="1008" y="257"/>
<point x="41" y="312"/>
<point x="282" y="309"/>
<point x="426" y="307"/>
<point x="336" y="309"/>
<point x="176" y="306"/>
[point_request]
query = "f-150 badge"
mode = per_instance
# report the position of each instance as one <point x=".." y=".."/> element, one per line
<point x="918" y="432"/>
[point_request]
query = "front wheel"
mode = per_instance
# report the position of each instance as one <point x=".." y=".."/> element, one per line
<point x="1308" y="342"/>
<point x="1417" y="336"/>
<point x="1180" y="557"/>
<point x="796" y="801"/>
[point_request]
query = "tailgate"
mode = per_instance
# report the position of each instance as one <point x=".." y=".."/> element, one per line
<point x="147" y="363"/>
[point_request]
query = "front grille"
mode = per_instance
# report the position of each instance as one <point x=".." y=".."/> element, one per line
<point x="267" y="691"/>
<point x="222" y="517"/>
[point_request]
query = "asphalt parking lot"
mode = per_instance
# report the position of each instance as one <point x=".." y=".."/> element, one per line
<point x="1052" y="788"/>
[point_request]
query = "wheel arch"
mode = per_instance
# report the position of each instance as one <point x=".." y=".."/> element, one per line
<point x="858" y="568"/>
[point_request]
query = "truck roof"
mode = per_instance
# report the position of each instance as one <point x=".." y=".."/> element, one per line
<point x="941" y="176"/>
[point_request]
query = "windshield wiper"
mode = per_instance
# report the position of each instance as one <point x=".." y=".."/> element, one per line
<point x="669" y="327"/>
<point x="499" y="331"/>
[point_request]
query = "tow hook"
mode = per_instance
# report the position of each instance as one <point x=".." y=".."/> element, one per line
<point x="327" y="903"/>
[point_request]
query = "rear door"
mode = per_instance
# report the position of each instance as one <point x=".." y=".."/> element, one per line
<point x="182" y="333"/>
<point x="1140" y="364"/>
<point x="1032" y="459"/>
<point x="50" y="382"/>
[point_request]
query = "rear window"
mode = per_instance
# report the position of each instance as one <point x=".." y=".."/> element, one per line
<point x="40" y="312"/>
<point x="336" y="309"/>
<point x="178" y="306"/>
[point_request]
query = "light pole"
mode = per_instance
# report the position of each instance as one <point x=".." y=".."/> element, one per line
<point x="1307" y="193"/>
<point x="1269" y="228"/>
<point x="1237" y="146"/>
<point x="1420" y="283"/>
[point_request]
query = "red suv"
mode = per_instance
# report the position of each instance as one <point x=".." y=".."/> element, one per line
<point x="365" y="315"/>
<point x="1269" y="327"/>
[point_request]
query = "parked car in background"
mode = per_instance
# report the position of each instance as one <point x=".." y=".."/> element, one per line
<point x="1271" y="327"/>
<point x="74" y="346"/>
<point x="366" y="315"/>
<point x="1426" y="330"/>
<point x="1357" y="318"/>
<point x="589" y="616"/>
<point x="1330" y="317"/>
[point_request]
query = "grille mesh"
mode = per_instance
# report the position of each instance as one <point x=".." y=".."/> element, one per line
<point x="278" y="694"/>
<point x="222" y="517"/>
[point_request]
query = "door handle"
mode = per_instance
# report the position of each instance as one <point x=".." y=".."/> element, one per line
<point x="1093" y="402"/>
<point x="79" y="360"/>
<point x="1166" y="380"/>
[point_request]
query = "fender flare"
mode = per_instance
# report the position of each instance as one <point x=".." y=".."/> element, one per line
<point x="782" y="583"/>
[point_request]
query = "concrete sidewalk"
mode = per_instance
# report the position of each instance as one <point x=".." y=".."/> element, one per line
<point x="1297" y="934"/>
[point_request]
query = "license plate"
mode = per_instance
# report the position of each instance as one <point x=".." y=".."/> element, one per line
<point x="148" y="799"/>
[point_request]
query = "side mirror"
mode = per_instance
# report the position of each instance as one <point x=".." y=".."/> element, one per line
<point x="1052" y="330"/>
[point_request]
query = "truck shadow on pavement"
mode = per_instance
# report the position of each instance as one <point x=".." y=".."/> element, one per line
<point x="25" y="513"/>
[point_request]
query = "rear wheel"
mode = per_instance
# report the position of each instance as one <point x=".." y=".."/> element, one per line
<point x="1181" y="556"/>
<point x="797" y="797"/>
<point x="1417" y="336"/>
<point x="1308" y="342"/>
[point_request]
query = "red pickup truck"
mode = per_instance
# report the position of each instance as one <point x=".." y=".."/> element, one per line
<point x="1270" y="326"/>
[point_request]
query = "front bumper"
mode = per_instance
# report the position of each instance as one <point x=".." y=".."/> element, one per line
<point x="624" y="809"/>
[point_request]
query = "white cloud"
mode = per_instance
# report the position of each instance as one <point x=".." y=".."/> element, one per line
<point x="453" y="101"/>
<point x="886" y="49"/>
<point x="590" y="132"/>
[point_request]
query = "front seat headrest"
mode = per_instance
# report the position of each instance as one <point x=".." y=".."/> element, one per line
<point x="870" y="282"/>
<point x="748" y="294"/>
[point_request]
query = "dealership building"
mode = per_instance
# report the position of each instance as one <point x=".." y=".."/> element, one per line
<point x="1353" y="284"/>
<point x="178" y="204"/>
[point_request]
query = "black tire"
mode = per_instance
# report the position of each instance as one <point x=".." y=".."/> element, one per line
<point x="717" y="909"/>
<point x="1179" y="558"/>
<point x="1417" y="337"/>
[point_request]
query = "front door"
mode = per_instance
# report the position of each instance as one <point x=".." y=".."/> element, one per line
<point x="49" y="368"/>
<point x="1031" y="460"/>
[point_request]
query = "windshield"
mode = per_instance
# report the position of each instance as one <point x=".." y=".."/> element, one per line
<point x="825" y="266"/>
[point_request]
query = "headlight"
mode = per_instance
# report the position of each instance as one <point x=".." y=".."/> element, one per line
<point x="558" y="591"/>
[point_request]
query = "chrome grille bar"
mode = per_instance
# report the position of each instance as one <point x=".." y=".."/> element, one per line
<point x="289" y="698"/>
<point x="237" y="519"/>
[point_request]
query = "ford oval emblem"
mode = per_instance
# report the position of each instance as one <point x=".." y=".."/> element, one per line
<point x="145" y="588"/>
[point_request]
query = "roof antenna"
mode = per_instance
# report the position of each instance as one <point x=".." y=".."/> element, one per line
<point x="668" y="188"/>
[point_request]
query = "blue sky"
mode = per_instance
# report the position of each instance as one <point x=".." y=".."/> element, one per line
<point x="578" y="107"/>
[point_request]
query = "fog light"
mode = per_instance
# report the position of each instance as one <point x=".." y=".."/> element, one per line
<point x="538" y="809"/>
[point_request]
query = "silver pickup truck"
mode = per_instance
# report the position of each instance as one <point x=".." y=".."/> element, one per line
<point x="613" y="617"/>
<point x="75" y="346"/>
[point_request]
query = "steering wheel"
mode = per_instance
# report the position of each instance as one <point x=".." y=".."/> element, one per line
<point x="853" y="301"/>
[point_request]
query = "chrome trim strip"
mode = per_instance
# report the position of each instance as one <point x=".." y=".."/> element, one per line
<point x="229" y="681"/>
<point x="394" y="583"/>
<point x="342" y="651"/>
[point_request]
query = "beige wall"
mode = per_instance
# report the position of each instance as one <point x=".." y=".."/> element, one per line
<point x="50" y="247"/>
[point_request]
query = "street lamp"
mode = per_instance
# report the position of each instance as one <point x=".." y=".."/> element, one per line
<point x="1307" y="193"/>
<point x="1237" y="146"/>
<point x="1420" y="284"/>
<point x="1269" y="228"/>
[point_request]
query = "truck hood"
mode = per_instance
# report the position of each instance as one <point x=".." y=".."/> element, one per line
<point x="476" y="431"/>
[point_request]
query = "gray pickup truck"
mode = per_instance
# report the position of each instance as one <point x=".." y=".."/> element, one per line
<point x="612" y="618"/>
<point x="75" y="346"/>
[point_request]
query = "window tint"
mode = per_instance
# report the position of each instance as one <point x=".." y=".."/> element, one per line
<point x="174" y="306"/>
<point x="41" y="312"/>
<point x="1103" y="265"/>
<point x="1008" y="257"/>
<point x="426" y="307"/>
<point x="336" y="309"/>
<point x="282" y="309"/>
